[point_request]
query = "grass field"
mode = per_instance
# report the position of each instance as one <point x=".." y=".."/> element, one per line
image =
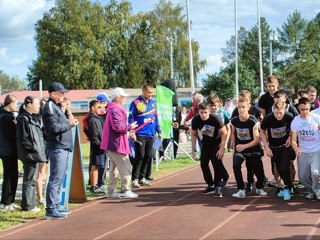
<point x="167" y="167"/>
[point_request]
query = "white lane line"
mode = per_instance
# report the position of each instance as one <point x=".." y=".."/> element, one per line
<point x="313" y="230"/>
<point x="228" y="220"/>
<point x="143" y="216"/>
<point x="232" y="216"/>
<point x="41" y="221"/>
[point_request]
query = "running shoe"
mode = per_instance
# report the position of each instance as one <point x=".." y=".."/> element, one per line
<point x="261" y="192"/>
<point x="310" y="195"/>
<point x="286" y="194"/>
<point x="300" y="185"/>
<point x="144" y="182"/>
<point x="218" y="192"/>
<point x="278" y="191"/>
<point x="54" y="214"/>
<point x="208" y="190"/>
<point x="128" y="195"/>
<point x="135" y="183"/>
<point x="240" y="194"/>
<point x="114" y="195"/>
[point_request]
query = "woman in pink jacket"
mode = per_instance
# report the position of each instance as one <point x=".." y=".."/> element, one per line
<point x="115" y="142"/>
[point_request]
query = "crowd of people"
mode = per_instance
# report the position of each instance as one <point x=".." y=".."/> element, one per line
<point x="41" y="133"/>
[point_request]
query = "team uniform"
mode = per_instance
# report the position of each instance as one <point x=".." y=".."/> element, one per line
<point x="308" y="134"/>
<point x="278" y="132"/>
<point x="210" y="146"/>
<point x="243" y="135"/>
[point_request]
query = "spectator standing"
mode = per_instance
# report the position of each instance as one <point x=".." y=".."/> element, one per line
<point x="59" y="143"/>
<point x="31" y="150"/>
<point x="8" y="153"/>
<point x="43" y="167"/>
<point x="143" y="111"/>
<point x="97" y="156"/>
<point x="115" y="142"/>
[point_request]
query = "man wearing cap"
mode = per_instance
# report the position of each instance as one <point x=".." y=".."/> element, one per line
<point x="59" y="143"/>
<point x="143" y="110"/>
<point x="103" y="100"/>
<point x="115" y="142"/>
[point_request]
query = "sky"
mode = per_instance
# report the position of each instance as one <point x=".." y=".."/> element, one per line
<point x="212" y="26"/>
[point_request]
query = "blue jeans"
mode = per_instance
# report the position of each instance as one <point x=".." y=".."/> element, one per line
<point x="58" y="168"/>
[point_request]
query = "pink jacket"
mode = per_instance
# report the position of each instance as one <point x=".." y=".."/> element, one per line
<point x="114" y="135"/>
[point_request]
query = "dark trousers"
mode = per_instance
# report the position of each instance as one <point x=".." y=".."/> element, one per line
<point x="281" y="158"/>
<point x="220" y="172"/>
<point x="30" y="173"/>
<point x="143" y="157"/>
<point x="254" y="162"/>
<point x="10" y="179"/>
<point x="176" y="134"/>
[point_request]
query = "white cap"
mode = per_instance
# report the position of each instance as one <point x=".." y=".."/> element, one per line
<point x="119" y="92"/>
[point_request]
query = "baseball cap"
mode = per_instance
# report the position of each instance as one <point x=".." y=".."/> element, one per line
<point x="57" y="87"/>
<point x="119" y="92"/>
<point x="103" y="97"/>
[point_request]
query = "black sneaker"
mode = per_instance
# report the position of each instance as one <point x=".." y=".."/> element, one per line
<point x="218" y="192"/>
<point x="208" y="190"/>
<point x="224" y="183"/>
<point x="248" y="188"/>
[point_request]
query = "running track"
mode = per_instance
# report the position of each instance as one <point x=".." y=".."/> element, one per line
<point x="173" y="208"/>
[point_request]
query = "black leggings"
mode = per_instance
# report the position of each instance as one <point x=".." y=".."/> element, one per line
<point x="220" y="172"/>
<point x="281" y="158"/>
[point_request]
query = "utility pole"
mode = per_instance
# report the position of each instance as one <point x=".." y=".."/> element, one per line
<point x="236" y="47"/>
<point x="190" y="50"/>
<point x="260" y="49"/>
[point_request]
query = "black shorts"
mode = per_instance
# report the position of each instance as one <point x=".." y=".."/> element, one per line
<point x="98" y="160"/>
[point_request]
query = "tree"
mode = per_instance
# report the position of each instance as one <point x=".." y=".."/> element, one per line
<point x="9" y="84"/>
<point x="86" y="45"/>
<point x="70" y="44"/>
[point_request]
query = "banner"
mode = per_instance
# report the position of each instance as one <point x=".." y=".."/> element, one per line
<point x="164" y="110"/>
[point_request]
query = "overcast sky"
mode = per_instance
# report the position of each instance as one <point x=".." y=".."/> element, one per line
<point x="213" y="25"/>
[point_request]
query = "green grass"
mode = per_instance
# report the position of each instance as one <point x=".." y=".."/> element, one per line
<point x="167" y="167"/>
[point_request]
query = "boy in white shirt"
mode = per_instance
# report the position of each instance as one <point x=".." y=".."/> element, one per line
<point x="305" y="128"/>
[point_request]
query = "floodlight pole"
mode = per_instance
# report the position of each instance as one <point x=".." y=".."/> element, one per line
<point x="190" y="50"/>
<point x="260" y="48"/>
<point x="236" y="47"/>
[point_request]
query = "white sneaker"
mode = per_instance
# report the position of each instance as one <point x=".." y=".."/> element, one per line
<point x="144" y="182"/>
<point x="128" y="194"/>
<point x="34" y="210"/>
<point x="261" y="192"/>
<point x="135" y="183"/>
<point x="114" y="195"/>
<point x="7" y="208"/>
<point x="240" y="194"/>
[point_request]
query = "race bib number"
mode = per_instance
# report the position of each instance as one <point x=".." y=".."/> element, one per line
<point x="243" y="134"/>
<point x="208" y="130"/>
<point x="307" y="135"/>
<point x="278" y="132"/>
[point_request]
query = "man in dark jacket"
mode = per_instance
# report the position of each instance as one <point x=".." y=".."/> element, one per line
<point x="59" y="143"/>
